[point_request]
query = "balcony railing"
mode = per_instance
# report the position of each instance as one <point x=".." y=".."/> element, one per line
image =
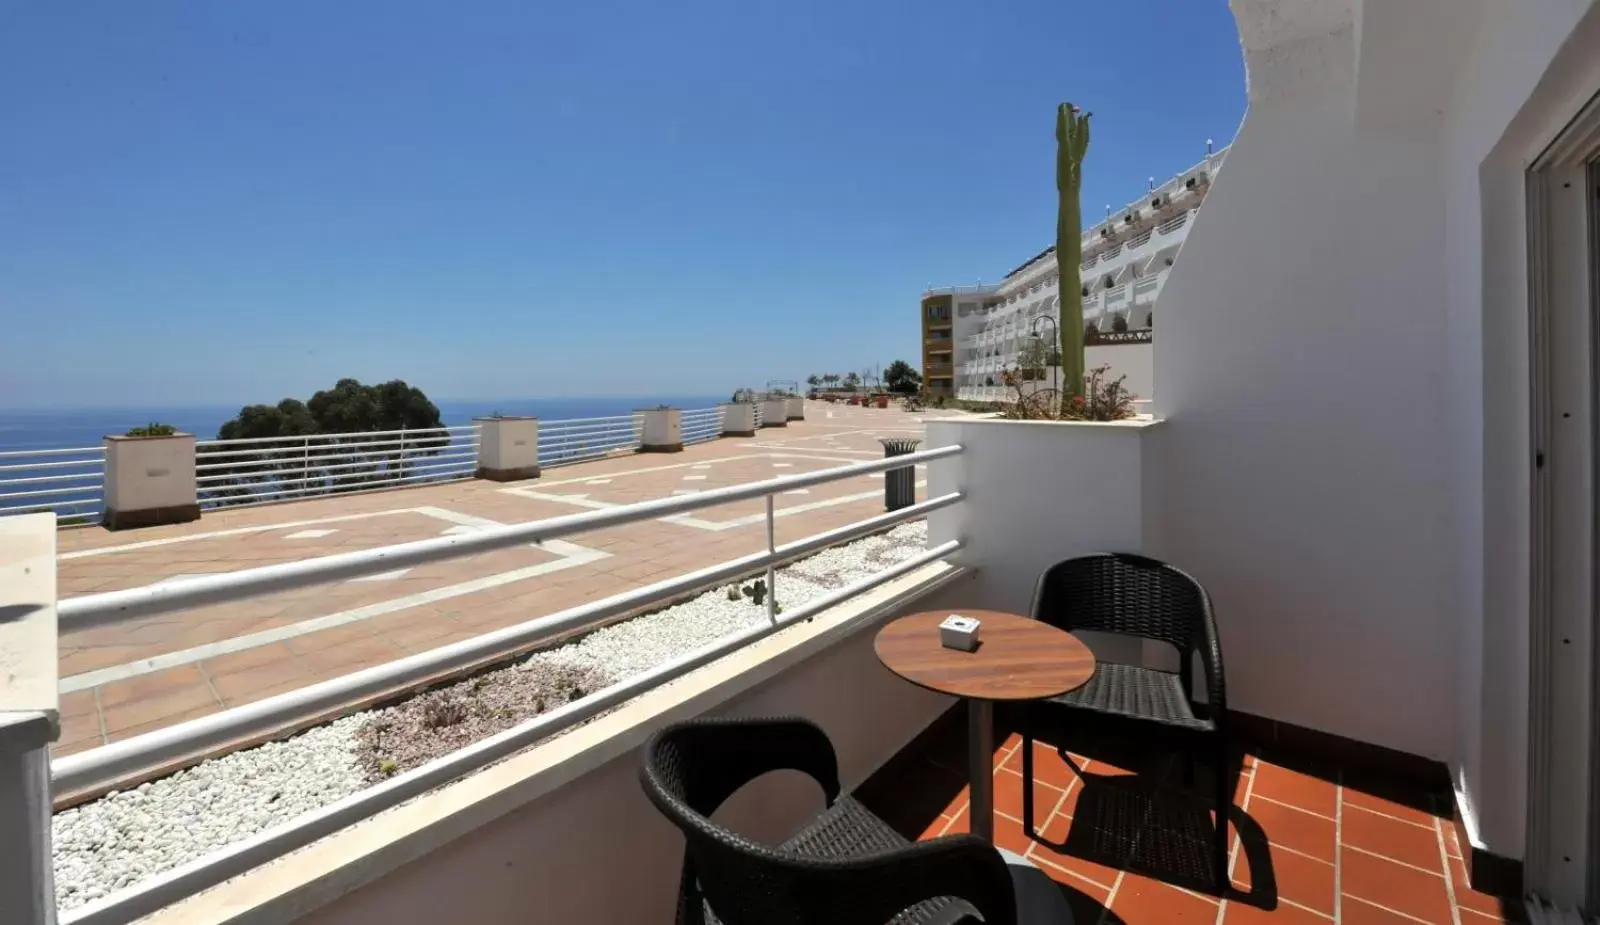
<point x="579" y="439"/>
<point x="702" y="424"/>
<point x="174" y="745"/>
<point x="256" y="470"/>
<point x="66" y="481"/>
<point x="1174" y="223"/>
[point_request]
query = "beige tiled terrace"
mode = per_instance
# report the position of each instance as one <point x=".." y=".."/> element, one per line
<point x="122" y="680"/>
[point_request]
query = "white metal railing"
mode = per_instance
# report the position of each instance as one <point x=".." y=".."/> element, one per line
<point x="255" y="470"/>
<point x="68" y="482"/>
<point x="1174" y="223"/>
<point x="1110" y="252"/>
<point x="701" y="424"/>
<point x="578" y="439"/>
<point x="1139" y="240"/>
<point x="108" y="764"/>
<point x="1089" y="262"/>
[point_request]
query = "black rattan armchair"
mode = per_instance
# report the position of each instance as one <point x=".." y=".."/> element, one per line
<point x="846" y="867"/>
<point x="1137" y="596"/>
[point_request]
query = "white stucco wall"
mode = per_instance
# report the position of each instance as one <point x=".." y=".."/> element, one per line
<point x="1525" y="74"/>
<point x="1136" y="361"/>
<point x="1343" y="366"/>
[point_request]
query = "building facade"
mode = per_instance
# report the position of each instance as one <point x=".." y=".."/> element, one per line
<point x="972" y="334"/>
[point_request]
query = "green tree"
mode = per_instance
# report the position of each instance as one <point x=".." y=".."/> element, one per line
<point x="335" y="424"/>
<point x="814" y="380"/>
<point x="901" y="377"/>
<point x="1072" y="143"/>
<point x="850" y="381"/>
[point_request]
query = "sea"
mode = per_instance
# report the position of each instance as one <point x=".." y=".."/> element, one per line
<point x="85" y="427"/>
<point x="23" y="432"/>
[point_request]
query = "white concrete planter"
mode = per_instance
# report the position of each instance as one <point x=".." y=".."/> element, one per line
<point x="662" y="431"/>
<point x="508" y="448"/>
<point x="775" y="412"/>
<point x="797" y="408"/>
<point x="739" y="419"/>
<point x="150" y="481"/>
<point x="1038" y="492"/>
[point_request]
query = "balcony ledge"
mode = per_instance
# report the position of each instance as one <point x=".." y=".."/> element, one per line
<point x="294" y="886"/>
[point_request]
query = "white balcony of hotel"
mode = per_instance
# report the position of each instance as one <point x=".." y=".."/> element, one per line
<point x="1383" y="479"/>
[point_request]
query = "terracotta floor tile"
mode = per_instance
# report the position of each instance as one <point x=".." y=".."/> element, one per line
<point x="1353" y="911"/>
<point x="1390" y="837"/>
<point x="271" y="654"/>
<point x="1295" y="789"/>
<point x="1470" y="917"/>
<point x="1093" y="892"/>
<point x="935" y="828"/>
<point x="1239" y="913"/>
<point x="1452" y="842"/>
<point x="1355" y="796"/>
<point x="155" y="684"/>
<point x="1048" y="765"/>
<point x="129" y="714"/>
<point x="1008" y="797"/>
<point x="165" y="721"/>
<point x="1293" y="828"/>
<point x="1009" y="836"/>
<point x="1303" y="880"/>
<point x="1045" y="851"/>
<point x="82" y="728"/>
<point x="235" y="686"/>
<point x="1468" y="898"/>
<point x="1142" y="901"/>
<point x="77" y="703"/>
<point x="1393" y="885"/>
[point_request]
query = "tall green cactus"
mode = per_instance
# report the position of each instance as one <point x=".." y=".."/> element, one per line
<point x="1072" y="142"/>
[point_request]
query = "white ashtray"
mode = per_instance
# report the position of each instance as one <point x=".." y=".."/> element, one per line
<point x="958" y="632"/>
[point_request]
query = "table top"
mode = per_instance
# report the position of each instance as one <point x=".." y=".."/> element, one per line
<point x="1018" y="658"/>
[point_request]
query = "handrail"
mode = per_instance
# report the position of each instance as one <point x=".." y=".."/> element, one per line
<point x="109" y="763"/>
<point x="21" y="454"/>
<point x="164" y="889"/>
<point x="84" y="612"/>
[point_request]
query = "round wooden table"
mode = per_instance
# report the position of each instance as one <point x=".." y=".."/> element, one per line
<point x="1018" y="658"/>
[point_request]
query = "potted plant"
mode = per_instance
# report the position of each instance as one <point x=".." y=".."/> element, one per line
<point x="150" y="478"/>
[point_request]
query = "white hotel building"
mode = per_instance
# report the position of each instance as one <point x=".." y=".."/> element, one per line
<point x="970" y="334"/>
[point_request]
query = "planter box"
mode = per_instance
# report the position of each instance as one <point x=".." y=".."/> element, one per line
<point x="1038" y="492"/>
<point x="797" y="408"/>
<point x="883" y="401"/>
<point x="150" y="481"/>
<point x="662" y="431"/>
<point x="775" y="412"/>
<point x="508" y="448"/>
<point x="739" y="419"/>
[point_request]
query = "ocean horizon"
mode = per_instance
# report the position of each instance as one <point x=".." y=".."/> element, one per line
<point x="66" y="428"/>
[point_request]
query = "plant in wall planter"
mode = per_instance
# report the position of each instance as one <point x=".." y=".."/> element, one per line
<point x="152" y="429"/>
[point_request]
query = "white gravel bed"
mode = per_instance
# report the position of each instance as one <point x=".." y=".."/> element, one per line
<point x="124" y="837"/>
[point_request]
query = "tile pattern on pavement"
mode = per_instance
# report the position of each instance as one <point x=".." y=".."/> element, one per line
<point x="1127" y="842"/>
<point x="123" y="680"/>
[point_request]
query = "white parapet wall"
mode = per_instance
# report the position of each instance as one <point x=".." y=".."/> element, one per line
<point x="508" y="448"/>
<point x="1038" y="492"/>
<point x="1136" y="362"/>
<point x="29" y="711"/>
<point x="150" y="481"/>
<point x="775" y="412"/>
<point x="739" y="419"/>
<point x="797" y="407"/>
<point x="662" y="430"/>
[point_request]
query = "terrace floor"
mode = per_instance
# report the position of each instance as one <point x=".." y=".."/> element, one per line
<point x="1126" y="842"/>
<point x="123" y="680"/>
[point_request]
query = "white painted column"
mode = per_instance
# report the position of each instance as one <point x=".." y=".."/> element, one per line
<point x="29" y="716"/>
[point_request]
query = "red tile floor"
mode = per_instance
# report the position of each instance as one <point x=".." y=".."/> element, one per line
<point x="1128" y="843"/>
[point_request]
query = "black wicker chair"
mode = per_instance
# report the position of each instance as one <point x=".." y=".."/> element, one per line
<point x="846" y="867"/>
<point x="1133" y="595"/>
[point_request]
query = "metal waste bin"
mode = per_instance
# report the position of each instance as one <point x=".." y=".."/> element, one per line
<point x="899" y="485"/>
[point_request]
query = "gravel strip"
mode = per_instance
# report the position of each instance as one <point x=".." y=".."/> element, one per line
<point x="124" y="837"/>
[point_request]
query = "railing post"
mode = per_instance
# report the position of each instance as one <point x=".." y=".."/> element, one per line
<point x="28" y="716"/>
<point x="772" y="570"/>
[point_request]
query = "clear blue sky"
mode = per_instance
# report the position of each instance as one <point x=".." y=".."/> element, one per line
<point x="212" y="202"/>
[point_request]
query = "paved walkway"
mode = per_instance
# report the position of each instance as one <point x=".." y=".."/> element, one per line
<point x="123" y="680"/>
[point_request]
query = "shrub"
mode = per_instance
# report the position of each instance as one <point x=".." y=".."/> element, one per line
<point x="153" y="429"/>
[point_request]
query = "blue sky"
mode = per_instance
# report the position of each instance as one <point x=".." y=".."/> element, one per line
<point x="229" y="202"/>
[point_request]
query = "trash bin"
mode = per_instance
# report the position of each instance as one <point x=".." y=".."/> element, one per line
<point x="899" y="485"/>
